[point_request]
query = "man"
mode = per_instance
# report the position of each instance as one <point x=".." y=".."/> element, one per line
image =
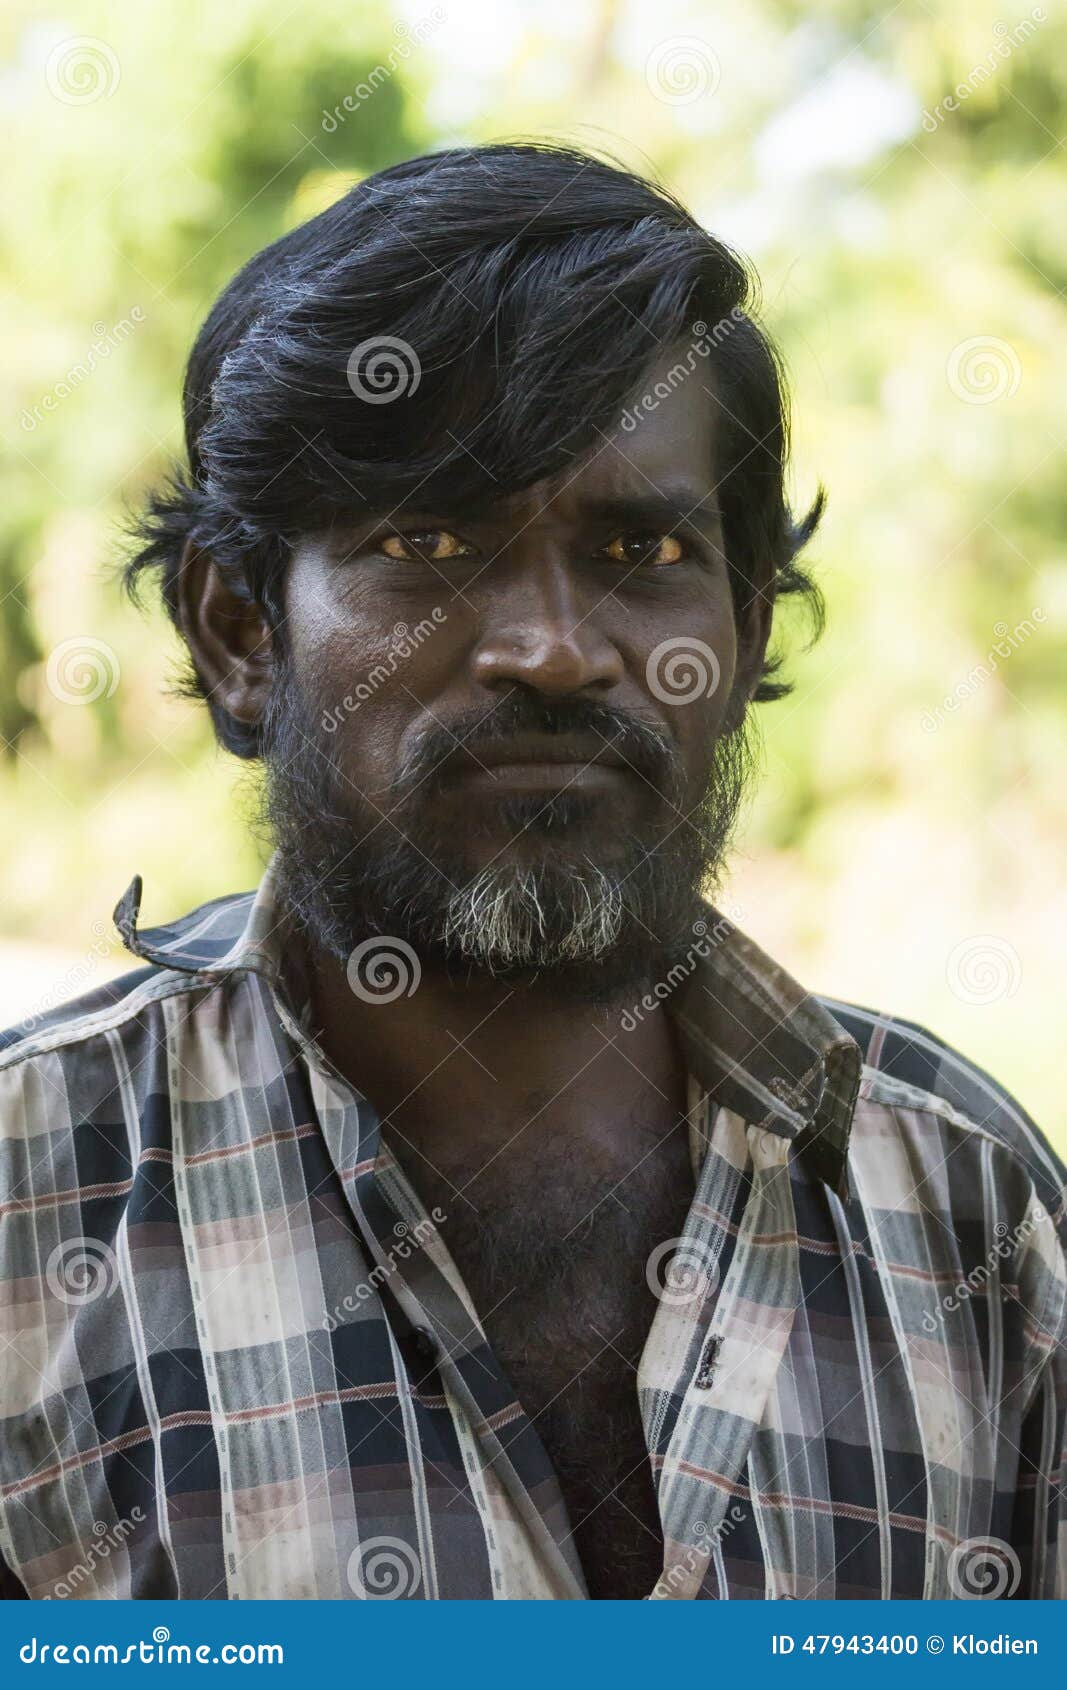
<point x="474" y="1211"/>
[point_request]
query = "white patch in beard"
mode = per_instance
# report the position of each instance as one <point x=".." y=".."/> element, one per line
<point x="510" y="916"/>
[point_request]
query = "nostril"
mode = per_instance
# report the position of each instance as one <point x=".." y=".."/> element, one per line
<point x="557" y="660"/>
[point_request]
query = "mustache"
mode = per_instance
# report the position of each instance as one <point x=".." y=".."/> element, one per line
<point x="646" y="748"/>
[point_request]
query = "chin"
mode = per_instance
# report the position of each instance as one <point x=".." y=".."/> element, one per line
<point x="566" y="922"/>
<point x="563" y="854"/>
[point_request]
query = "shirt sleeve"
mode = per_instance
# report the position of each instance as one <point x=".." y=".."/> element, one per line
<point x="1040" y="1523"/>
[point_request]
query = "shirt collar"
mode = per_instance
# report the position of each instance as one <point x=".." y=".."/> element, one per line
<point x="761" y="1045"/>
<point x="240" y="931"/>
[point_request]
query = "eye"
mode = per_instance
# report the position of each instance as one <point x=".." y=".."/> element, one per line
<point x="655" y="550"/>
<point x="429" y="545"/>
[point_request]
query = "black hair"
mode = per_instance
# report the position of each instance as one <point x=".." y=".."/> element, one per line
<point x="514" y="294"/>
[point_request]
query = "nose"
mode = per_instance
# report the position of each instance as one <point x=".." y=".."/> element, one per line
<point x="536" y="633"/>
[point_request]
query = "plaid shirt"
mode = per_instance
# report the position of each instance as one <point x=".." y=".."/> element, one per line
<point x="236" y="1360"/>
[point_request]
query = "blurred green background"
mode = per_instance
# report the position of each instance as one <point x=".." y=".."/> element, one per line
<point x="898" y="177"/>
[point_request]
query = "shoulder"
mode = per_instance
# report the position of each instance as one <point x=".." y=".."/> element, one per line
<point x="907" y="1062"/>
<point x="78" y="1080"/>
<point x="114" y="1006"/>
<point x="927" y="1112"/>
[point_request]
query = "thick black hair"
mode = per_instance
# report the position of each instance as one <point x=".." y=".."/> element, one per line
<point x="534" y="285"/>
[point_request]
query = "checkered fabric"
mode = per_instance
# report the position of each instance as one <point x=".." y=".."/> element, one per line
<point x="236" y="1360"/>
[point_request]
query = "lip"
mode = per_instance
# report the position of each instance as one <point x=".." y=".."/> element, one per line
<point x="541" y="776"/>
<point x="527" y="750"/>
<point x="539" y="763"/>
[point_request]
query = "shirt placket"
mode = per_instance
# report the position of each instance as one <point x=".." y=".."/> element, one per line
<point x="427" y="1289"/>
<point x="725" y="1374"/>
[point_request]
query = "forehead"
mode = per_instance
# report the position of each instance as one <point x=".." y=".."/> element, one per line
<point x="664" y="443"/>
<point x="661" y="454"/>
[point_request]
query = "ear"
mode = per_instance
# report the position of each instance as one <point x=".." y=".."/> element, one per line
<point x="229" y="637"/>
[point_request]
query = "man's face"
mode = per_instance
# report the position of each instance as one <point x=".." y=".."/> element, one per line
<point x="510" y="736"/>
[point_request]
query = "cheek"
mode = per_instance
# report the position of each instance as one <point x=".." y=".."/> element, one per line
<point x="370" y="666"/>
<point x="346" y="668"/>
<point x="685" y="661"/>
<point x="361" y="705"/>
<point x="368" y="688"/>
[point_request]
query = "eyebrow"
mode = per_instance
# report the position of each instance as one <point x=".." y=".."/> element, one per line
<point x="671" y="506"/>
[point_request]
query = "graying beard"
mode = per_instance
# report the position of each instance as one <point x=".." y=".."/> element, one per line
<point x="498" y="919"/>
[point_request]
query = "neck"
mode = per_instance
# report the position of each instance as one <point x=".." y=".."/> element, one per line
<point x="470" y="1061"/>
